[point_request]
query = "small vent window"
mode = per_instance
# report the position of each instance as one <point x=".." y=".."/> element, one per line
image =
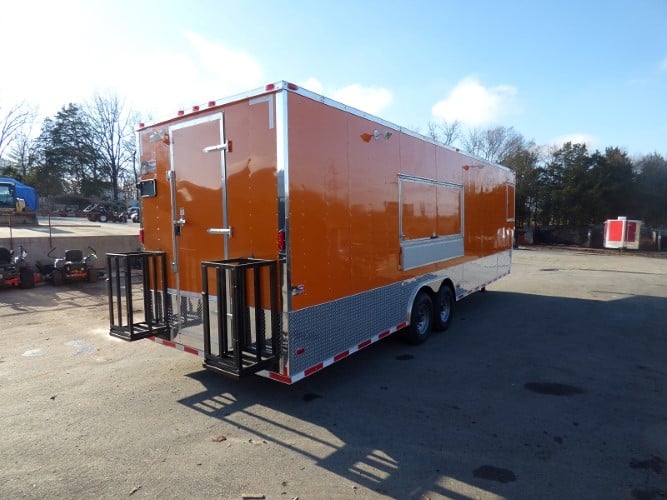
<point x="147" y="189"/>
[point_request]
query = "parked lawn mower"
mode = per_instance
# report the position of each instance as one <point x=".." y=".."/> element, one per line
<point x="72" y="267"/>
<point x="104" y="213"/>
<point x="15" y="270"/>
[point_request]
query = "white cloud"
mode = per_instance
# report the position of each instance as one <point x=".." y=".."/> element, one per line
<point x="575" y="138"/>
<point x="68" y="56"/>
<point x="53" y="66"/>
<point x="201" y="71"/>
<point x="45" y="64"/>
<point x="372" y="100"/>
<point x="314" y="85"/>
<point x="234" y="70"/>
<point x="473" y="104"/>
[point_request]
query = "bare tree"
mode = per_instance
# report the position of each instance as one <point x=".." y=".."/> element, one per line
<point x="493" y="143"/>
<point x="23" y="153"/>
<point x="501" y="142"/>
<point x="113" y="129"/>
<point x="445" y="132"/>
<point x="473" y="141"/>
<point x="12" y="120"/>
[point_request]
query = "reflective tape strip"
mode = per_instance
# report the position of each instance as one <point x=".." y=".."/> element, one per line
<point x="286" y="379"/>
<point x="176" y="345"/>
<point x="283" y="377"/>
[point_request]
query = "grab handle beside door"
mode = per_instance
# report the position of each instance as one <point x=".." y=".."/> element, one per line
<point x="225" y="231"/>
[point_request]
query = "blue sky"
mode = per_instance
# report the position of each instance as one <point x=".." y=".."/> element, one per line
<point x="593" y="71"/>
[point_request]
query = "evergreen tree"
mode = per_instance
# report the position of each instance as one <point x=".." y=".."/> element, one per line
<point x="69" y="154"/>
<point x="651" y="185"/>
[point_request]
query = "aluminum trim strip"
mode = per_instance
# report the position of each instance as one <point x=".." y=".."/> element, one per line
<point x="335" y="104"/>
<point x="282" y="161"/>
<point x="196" y="121"/>
<point x="269" y="99"/>
<point x="418" y="253"/>
<point x="284" y="86"/>
<point x="430" y="182"/>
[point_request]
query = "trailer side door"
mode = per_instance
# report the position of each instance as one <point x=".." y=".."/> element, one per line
<point x="198" y="198"/>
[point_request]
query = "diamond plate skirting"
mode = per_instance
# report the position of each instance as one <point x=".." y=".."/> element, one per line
<point x="323" y="331"/>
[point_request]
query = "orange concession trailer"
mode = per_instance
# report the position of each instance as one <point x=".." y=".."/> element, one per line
<point x="284" y="231"/>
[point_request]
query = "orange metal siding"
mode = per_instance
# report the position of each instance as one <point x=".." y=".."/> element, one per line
<point x="250" y="183"/>
<point x="199" y="196"/>
<point x="251" y="179"/>
<point x="156" y="211"/>
<point x="343" y="195"/>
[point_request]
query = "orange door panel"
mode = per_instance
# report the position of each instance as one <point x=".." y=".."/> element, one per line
<point x="197" y="197"/>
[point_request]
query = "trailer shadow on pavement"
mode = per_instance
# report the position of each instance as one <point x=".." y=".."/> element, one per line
<point x="525" y="396"/>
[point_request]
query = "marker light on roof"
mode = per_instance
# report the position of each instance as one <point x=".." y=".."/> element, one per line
<point x="211" y="104"/>
<point x="195" y="108"/>
<point x="291" y="86"/>
<point x="180" y="112"/>
<point x="270" y="86"/>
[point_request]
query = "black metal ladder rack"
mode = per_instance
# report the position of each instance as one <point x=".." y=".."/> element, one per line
<point x="246" y="341"/>
<point x="147" y="270"/>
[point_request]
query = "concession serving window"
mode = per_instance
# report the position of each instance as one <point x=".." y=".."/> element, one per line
<point x="430" y="221"/>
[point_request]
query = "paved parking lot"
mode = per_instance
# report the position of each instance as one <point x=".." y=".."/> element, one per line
<point x="62" y="233"/>
<point x="68" y="226"/>
<point x="550" y="385"/>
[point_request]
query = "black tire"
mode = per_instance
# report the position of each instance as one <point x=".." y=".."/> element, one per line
<point x="103" y="218"/>
<point x="444" y="309"/>
<point x="57" y="278"/>
<point x="92" y="217"/>
<point x="421" y="319"/>
<point x="92" y="275"/>
<point x="26" y="279"/>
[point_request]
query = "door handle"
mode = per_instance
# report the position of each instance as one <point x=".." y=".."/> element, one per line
<point x="178" y="224"/>
<point x="217" y="147"/>
<point x="225" y="231"/>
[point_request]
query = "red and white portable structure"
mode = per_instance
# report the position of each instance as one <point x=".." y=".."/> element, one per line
<point x="621" y="233"/>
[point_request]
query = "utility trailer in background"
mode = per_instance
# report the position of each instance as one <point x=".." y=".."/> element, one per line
<point x="284" y="231"/>
<point x="622" y="233"/>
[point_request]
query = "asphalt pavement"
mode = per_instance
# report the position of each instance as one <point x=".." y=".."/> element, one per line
<point x="550" y="385"/>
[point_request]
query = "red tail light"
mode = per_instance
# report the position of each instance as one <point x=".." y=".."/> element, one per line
<point x="281" y="240"/>
<point x="141" y="235"/>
